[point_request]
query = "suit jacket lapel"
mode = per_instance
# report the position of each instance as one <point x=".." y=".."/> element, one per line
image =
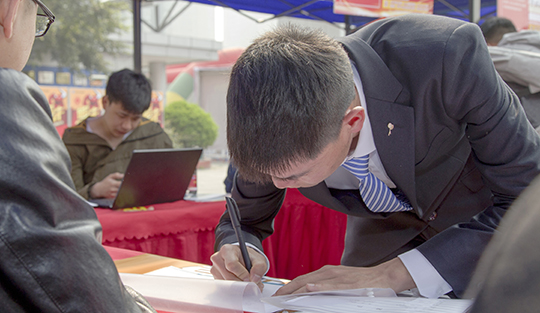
<point x="391" y="116"/>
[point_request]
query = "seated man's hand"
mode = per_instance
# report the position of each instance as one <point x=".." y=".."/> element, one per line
<point x="108" y="187"/>
<point x="392" y="274"/>
<point x="227" y="264"/>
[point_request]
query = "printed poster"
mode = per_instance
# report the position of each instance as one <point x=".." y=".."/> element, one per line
<point x="70" y="106"/>
<point x="85" y="102"/>
<point x="515" y="10"/>
<point x="382" y="8"/>
<point x="534" y="14"/>
<point x="58" y="103"/>
<point x="155" y="111"/>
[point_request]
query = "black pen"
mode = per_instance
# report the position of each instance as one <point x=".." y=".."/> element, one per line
<point x="234" y="214"/>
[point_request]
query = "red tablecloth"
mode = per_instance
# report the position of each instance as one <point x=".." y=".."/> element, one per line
<point x="182" y="230"/>
<point x="307" y="235"/>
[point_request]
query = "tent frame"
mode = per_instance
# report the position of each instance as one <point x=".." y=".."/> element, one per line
<point x="473" y="16"/>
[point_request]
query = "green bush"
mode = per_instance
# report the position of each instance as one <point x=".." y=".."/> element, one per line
<point x="189" y="125"/>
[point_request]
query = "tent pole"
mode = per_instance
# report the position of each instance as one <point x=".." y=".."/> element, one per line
<point x="474" y="10"/>
<point x="347" y="24"/>
<point x="137" y="58"/>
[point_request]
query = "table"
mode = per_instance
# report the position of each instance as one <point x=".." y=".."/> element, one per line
<point x="307" y="235"/>
<point x="181" y="230"/>
<point x="136" y="262"/>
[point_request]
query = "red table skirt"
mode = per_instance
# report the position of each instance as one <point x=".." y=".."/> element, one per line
<point x="307" y="235"/>
<point x="182" y="230"/>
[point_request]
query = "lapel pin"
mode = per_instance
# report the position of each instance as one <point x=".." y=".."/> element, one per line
<point x="390" y="127"/>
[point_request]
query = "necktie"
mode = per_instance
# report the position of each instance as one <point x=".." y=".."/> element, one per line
<point x="376" y="195"/>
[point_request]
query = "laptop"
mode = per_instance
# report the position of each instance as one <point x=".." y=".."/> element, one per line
<point x="154" y="176"/>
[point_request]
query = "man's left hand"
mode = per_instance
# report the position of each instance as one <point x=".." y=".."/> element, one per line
<point x="392" y="274"/>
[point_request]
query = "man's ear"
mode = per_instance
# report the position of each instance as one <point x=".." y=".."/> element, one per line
<point x="8" y="14"/>
<point x="354" y="119"/>
<point x="105" y="102"/>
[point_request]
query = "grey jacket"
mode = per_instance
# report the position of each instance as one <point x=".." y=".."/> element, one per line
<point x="51" y="258"/>
<point x="517" y="60"/>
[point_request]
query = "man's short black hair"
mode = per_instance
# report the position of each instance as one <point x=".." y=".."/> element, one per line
<point x="131" y="89"/>
<point x="288" y="93"/>
<point x="494" y="28"/>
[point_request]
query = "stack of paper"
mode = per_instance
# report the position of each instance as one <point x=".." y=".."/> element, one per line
<point x="193" y="290"/>
<point x="366" y="300"/>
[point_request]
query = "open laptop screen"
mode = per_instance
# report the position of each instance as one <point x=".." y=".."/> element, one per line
<point x="155" y="176"/>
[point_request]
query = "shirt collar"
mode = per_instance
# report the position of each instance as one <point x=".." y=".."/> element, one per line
<point x="366" y="143"/>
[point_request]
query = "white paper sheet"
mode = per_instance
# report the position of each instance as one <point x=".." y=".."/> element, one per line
<point x="193" y="289"/>
<point x="178" y="294"/>
<point x="271" y="285"/>
<point x="368" y="300"/>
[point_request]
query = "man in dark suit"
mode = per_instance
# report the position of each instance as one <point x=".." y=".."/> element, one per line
<point x="411" y="105"/>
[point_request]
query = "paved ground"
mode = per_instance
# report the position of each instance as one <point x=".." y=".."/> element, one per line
<point x="210" y="180"/>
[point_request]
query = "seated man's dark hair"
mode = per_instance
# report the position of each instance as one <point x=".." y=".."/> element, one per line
<point x="287" y="96"/>
<point x="131" y="89"/>
<point x="494" y="28"/>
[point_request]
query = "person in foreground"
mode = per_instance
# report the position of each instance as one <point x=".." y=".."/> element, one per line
<point x="507" y="278"/>
<point x="100" y="147"/>
<point x="50" y="239"/>
<point x="404" y="125"/>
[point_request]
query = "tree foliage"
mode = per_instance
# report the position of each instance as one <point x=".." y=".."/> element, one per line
<point x="189" y="125"/>
<point x="79" y="37"/>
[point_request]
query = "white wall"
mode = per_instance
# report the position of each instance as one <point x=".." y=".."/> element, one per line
<point x="198" y="21"/>
<point x="240" y="31"/>
<point x="211" y="90"/>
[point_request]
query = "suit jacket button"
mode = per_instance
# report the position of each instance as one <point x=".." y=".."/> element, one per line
<point x="433" y="216"/>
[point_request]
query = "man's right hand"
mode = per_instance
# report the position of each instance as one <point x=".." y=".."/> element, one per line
<point x="227" y="264"/>
<point x="108" y="187"/>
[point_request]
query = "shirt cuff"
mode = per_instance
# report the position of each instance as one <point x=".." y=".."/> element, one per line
<point x="256" y="249"/>
<point x="429" y="282"/>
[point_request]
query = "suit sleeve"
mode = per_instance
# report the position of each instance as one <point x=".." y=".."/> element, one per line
<point x="258" y="205"/>
<point x="504" y="147"/>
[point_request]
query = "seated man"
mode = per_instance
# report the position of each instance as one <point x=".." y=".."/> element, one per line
<point x="100" y="147"/>
<point x="51" y="259"/>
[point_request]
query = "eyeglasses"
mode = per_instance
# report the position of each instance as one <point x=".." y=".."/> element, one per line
<point x="43" y="20"/>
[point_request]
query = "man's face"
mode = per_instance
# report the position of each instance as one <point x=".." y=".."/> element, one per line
<point x="17" y="48"/>
<point x="311" y="172"/>
<point x="118" y="120"/>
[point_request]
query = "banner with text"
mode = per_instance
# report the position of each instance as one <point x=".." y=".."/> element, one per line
<point x="525" y="14"/>
<point x="382" y="8"/>
<point x="71" y="105"/>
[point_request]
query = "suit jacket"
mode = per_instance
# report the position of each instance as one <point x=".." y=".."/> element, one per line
<point x="461" y="149"/>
